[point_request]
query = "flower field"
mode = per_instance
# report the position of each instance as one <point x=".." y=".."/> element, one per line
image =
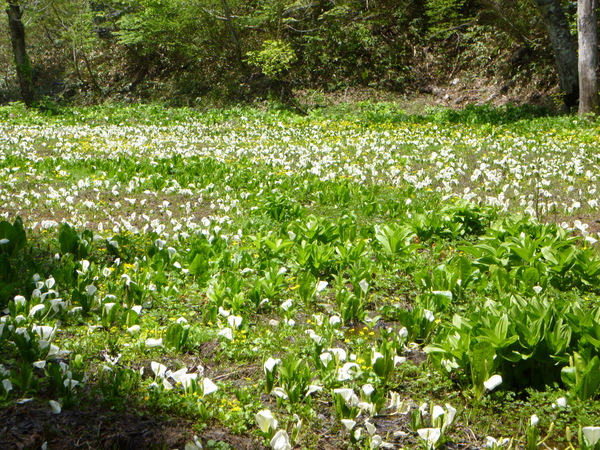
<point x="357" y="278"/>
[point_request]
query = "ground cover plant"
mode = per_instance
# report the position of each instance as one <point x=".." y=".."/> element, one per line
<point x="356" y="278"/>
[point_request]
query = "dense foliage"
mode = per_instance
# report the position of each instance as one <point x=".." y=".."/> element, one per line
<point x="354" y="278"/>
<point x="205" y="50"/>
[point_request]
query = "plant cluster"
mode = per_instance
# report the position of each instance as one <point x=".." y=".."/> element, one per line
<point x="282" y="276"/>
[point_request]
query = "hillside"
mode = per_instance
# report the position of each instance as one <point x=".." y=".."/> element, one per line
<point x="203" y="54"/>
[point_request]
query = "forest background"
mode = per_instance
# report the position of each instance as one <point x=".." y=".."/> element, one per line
<point x="212" y="52"/>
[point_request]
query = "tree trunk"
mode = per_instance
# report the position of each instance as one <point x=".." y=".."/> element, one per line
<point x="587" y="30"/>
<point x="233" y="33"/>
<point x="565" y="52"/>
<point x="22" y="63"/>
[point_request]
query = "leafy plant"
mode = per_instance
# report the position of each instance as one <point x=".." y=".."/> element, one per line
<point x="274" y="59"/>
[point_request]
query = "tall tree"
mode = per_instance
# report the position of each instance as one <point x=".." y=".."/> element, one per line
<point x="587" y="30"/>
<point x="565" y="51"/>
<point x="22" y="63"/>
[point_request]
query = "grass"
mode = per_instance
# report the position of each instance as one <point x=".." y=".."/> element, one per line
<point x="346" y="246"/>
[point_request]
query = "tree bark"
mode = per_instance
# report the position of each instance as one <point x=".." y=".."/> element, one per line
<point x="233" y="33"/>
<point x="565" y="52"/>
<point x="22" y="63"/>
<point x="587" y="31"/>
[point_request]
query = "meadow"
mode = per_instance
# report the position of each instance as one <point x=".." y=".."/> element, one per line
<point x="242" y="278"/>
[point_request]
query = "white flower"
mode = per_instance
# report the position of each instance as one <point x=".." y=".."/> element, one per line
<point x="35" y="309"/>
<point x="534" y="420"/>
<point x="227" y="333"/>
<point x="429" y="315"/>
<point x="493" y="382"/>
<point x="195" y="445"/>
<point x="181" y="376"/>
<point x="399" y="360"/>
<point x="270" y="364"/>
<point x="7" y="385"/>
<point x="368" y="389"/>
<point x="56" y="409"/>
<point x="70" y="384"/>
<point x="50" y="282"/>
<point x="281" y="441"/>
<point x="377" y="442"/>
<point x="491" y="442"/>
<point x="133" y="329"/>
<point x="364" y="286"/>
<point x="396" y="403"/>
<point x="54" y="350"/>
<point x="315" y="337"/>
<point x="279" y="392"/>
<point x="348" y="423"/>
<point x="234" y="321"/>
<point x="287" y="305"/>
<point x="430" y="435"/>
<point x="339" y="353"/>
<point x="348" y="371"/>
<point x="313" y="388"/>
<point x="437" y="412"/>
<point x="90" y="289"/>
<point x="325" y="358"/>
<point x="560" y="402"/>
<point x="158" y="369"/>
<point x="150" y="343"/>
<point x="266" y="421"/>
<point x="592" y="434"/>
<point x="369" y="408"/>
<point x="347" y="395"/>
<point x="322" y="285"/>
<point x="208" y="387"/>
<point x="403" y="333"/>
<point x="318" y="318"/>
<point x="537" y="289"/>
<point x="376" y="356"/>
<point x="334" y="320"/>
<point x="44" y="332"/>
<point x="370" y="428"/>
<point x="451" y="413"/>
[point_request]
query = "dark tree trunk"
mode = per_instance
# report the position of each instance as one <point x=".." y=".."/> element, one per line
<point x="22" y="63"/>
<point x="565" y="52"/>
<point x="233" y="33"/>
<point x="587" y="30"/>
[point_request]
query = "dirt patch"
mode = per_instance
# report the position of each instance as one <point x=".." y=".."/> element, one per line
<point x="592" y="220"/>
<point x="30" y="425"/>
<point x="456" y="93"/>
<point x="137" y="210"/>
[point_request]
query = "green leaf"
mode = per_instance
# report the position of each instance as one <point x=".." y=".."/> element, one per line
<point x="589" y="379"/>
<point x="68" y="239"/>
<point x="550" y="254"/>
<point x="176" y="336"/>
<point x="15" y="235"/>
